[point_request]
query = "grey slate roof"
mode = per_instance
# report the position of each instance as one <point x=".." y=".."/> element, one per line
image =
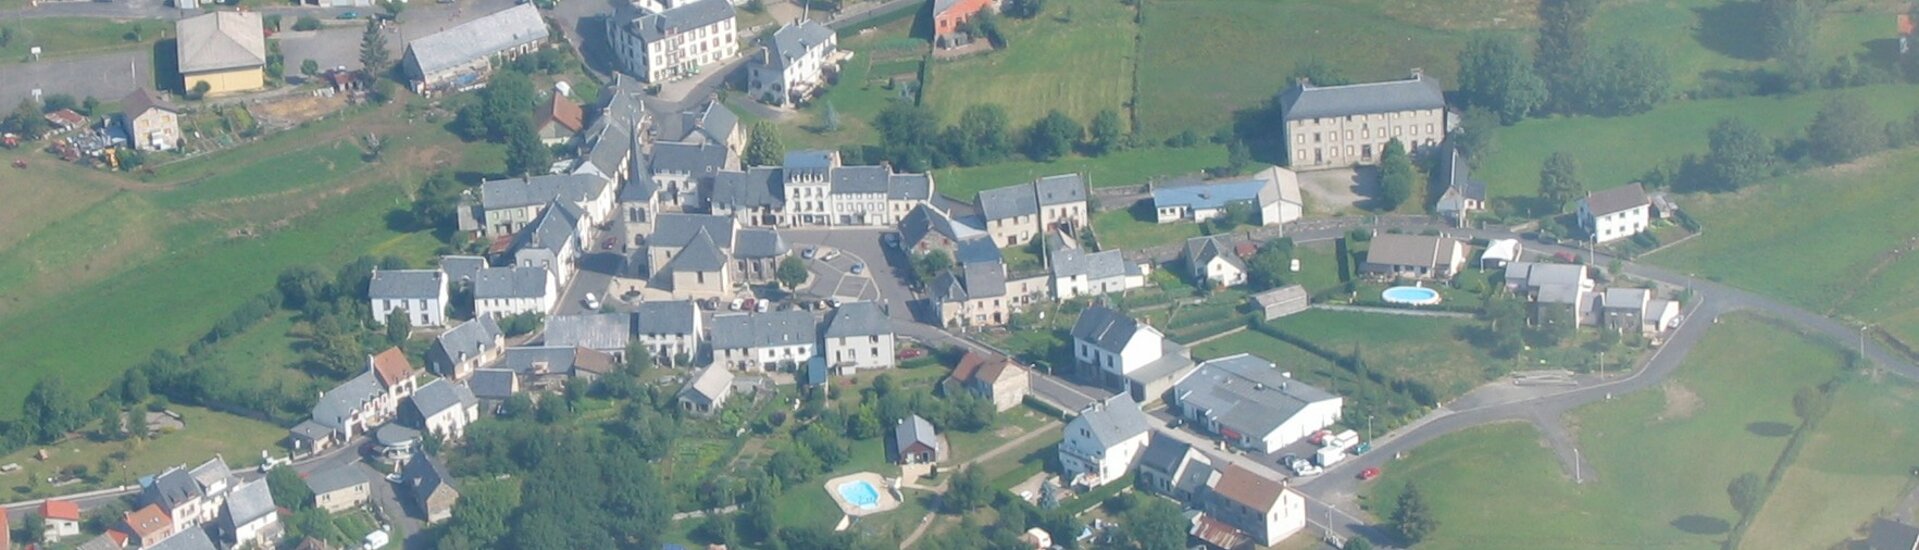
<point x="810" y="161"/>
<point x="1247" y="394"/>
<point x="713" y="123"/>
<point x="1200" y="250"/>
<point x="394" y="435"/>
<point x="976" y="251"/>
<point x="915" y="429"/>
<point x="461" y="268"/>
<point x="665" y="317"/>
<point x="1008" y="202"/>
<point x="542" y="189"/>
<point x="1060" y="189"/>
<point x="1617" y="199"/>
<point x="859" y="180"/>
<point x="678" y="157"/>
<point x="173" y="487"/>
<point x="439" y="395"/>
<point x="492" y="383"/>
<point x="213" y="471"/>
<point x="1419" y="250"/>
<point x="984" y="279"/>
<point x="1621" y="298"/>
<point x="751" y="330"/>
<point x="1105" y="328"/>
<point x="496" y="32"/>
<point x="701" y="254"/>
<point x="552" y="229"/>
<point x="913" y="187"/>
<point x="600" y="331"/>
<point x="1454" y="173"/>
<point x="1071" y="262"/>
<point x="190" y="539"/>
<point x="793" y="40"/>
<point x="926" y="219"/>
<point x="947" y="288"/>
<point x="677" y="230"/>
<point x="334" y="479"/>
<point x="1116" y="419"/>
<point x="510" y="282"/>
<point x="405" y="284"/>
<point x="857" y="319"/>
<point x="529" y="360"/>
<point x="756" y="187"/>
<point x="422" y="475"/>
<point x="1892" y="535"/>
<point x="1304" y="100"/>
<point x="102" y="542"/>
<point x="249" y="501"/>
<point x="469" y="338"/>
<point x="1163" y="452"/>
<point x="336" y="404"/>
<point x="759" y="242"/>
<point x="685" y="17"/>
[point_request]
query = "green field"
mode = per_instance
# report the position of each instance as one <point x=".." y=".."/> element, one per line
<point x="864" y="89"/>
<point x="68" y="36"/>
<point x="1833" y="240"/>
<point x="1854" y="467"/>
<point x="1079" y="66"/>
<point x="1636" y="144"/>
<point x="1426" y="349"/>
<point x="1120" y="169"/>
<point x="1663" y="458"/>
<point x="1121" y="229"/>
<point x="207" y="433"/>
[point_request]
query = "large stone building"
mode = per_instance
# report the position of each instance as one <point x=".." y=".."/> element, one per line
<point x="794" y="63"/>
<point x="812" y="187"/>
<point x="225" y="50"/>
<point x="1340" y="126"/>
<point x="677" y="42"/>
<point x="461" y="57"/>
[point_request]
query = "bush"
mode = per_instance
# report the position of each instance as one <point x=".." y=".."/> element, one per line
<point x="307" y="23"/>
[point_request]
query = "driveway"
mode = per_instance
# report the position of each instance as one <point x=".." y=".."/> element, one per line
<point x="1338" y="191"/>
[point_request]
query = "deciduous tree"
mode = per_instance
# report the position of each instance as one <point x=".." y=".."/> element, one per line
<point x="1411" y="517"/>
<point x="764" y="148"/>
<point x="1559" y="181"/>
<point x="1843" y="131"/>
<point x="1496" y="73"/>
<point x="1737" y="155"/>
<point x="1107" y="131"/>
<point x="1053" y="136"/>
<point x="1397" y="178"/>
<point x="792" y="272"/>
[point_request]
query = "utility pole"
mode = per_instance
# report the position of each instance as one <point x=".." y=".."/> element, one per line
<point x="1369" y="427"/>
<point x="1602" y="366"/>
<point x="1577" y="478"/>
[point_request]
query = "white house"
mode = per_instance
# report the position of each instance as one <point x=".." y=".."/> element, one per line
<point x="707" y="391"/>
<point x="1273" y="195"/>
<point x="552" y="241"/>
<point x="763" y="341"/>
<point x="1463" y="193"/>
<point x="444" y="408"/>
<point x="794" y="63"/>
<point x="1265" y="510"/>
<point x="358" y="405"/>
<point x="1252" y="404"/>
<point x="508" y="205"/>
<point x="62" y="519"/>
<point x="859" y="335"/>
<point x="419" y="293"/>
<point x="670" y="329"/>
<point x="1103" y="441"/>
<point x="250" y="517"/>
<point x="1340" y="126"/>
<point x="674" y="43"/>
<point x="1615" y="213"/>
<point x="504" y="291"/>
<point x="1211" y="260"/>
<point x="1127" y="354"/>
<point x="465" y="347"/>
<point x="1414" y="256"/>
<point x="1076" y="272"/>
<point x="1554" y="285"/>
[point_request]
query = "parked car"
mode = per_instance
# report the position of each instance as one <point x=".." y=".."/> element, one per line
<point x="859" y="268"/>
<point x="1566" y="257"/>
<point x="829" y="255"/>
<point x="1368" y="474"/>
<point x="911" y="353"/>
<point x="892" y="240"/>
<point x="750" y="305"/>
<point x="349" y="15"/>
<point x="1362" y="447"/>
<point x="810" y="252"/>
<point x="763" y="305"/>
<point x="735" y="306"/>
<point x="591" y="301"/>
<point x="1319" y="437"/>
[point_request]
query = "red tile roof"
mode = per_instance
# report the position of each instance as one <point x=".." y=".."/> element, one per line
<point x="985" y="367"/>
<point x="392" y="367"/>
<point x="60" y="509"/>
<point x="148" y="520"/>
<point x="563" y="111"/>
<point x="6" y="532"/>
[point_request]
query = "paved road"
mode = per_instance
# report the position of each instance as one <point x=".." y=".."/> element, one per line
<point x="107" y="76"/>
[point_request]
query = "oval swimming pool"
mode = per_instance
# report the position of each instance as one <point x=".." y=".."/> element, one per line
<point x="1410" y="295"/>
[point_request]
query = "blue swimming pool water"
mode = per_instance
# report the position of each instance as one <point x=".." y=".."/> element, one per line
<point x="1410" y="295"/>
<point x="860" y="494"/>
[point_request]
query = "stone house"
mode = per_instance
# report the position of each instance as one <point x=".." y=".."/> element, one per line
<point x="1342" y="126"/>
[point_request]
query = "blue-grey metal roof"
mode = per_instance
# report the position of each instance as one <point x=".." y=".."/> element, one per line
<point x="406" y="284"/>
<point x="1008" y="202"/>
<point x="753" y="330"/>
<point x="334" y="479"/>
<point x="492" y="383"/>
<point x="1105" y="328"/>
<point x="759" y="243"/>
<point x="510" y="282"/>
<point x="439" y="395"/>
<point x="1247" y="394"/>
<point x="538" y="190"/>
<point x="857" y="319"/>
<point x="756" y="187"/>
<point x="1060" y="189"/>
<point x="685" y="17"/>
<point x="666" y="317"/>
<point x="337" y="404"/>
<point x="477" y="39"/>
<point x="1211" y="195"/>
<point x="1304" y="100"/>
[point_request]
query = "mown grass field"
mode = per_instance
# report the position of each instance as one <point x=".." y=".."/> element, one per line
<point x="1855" y="467"/>
<point x="1426" y="349"/>
<point x="69" y="36"/>
<point x="1835" y="240"/>
<point x="1078" y="65"/>
<point x="1122" y="229"/>
<point x="1120" y="169"/>
<point x="1636" y="144"/>
<point x="864" y="89"/>
<point x="240" y="440"/>
<point x="1498" y="487"/>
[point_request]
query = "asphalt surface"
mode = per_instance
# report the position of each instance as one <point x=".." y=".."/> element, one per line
<point x="108" y="76"/>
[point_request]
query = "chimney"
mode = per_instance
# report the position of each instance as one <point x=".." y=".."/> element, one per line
<point x="1418" y="73"/>
<point x="1304" y="82"/>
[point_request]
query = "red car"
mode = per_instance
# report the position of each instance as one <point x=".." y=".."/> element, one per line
<point x="1368" y="474"/>
<point x="910" y="353"/>
<point x="1319" y="437"/>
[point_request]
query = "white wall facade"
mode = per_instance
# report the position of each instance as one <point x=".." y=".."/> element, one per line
<point x="1617" y="225"/>
<point x="861" y="352"/>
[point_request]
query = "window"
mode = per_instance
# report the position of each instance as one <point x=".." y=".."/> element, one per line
<point x="1396" y="131"/>
<point x="1365" y="133"/>
<point x="1299" y="138"/>
<point x="1349" y="134"/>
<point x="1429" y="128"/>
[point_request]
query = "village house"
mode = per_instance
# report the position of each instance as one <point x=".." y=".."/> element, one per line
<point x="1636" y="310"/>
<point x="794" y="64"/>
<point x="813" y="188"/>
<point x="1549" y="287"/>
<point x="552" y="242"/>
<point x="225" y="50"/>
<point x="444" y="409"/>
<point x="250" y="518"/>
<point x="675" y="43"/>
<point x="1076" y="272"/>
<point x="990" y="376"/>
<point x="61" y="517"/>
<point x="1103" y="441"/>
<point x="916" y="442"/>
<point x="493" y="386"/>
<point x="1252" y="404"/>
<point x="419" y="294"/>
<point x="927" y="228"/>
<point x="1211" y="261"/>
<point x="149" y="525"/>
<point x="1429" y="257"/>
<point x="1016" y="214"/>
<point x="1281" y="302"/>
<point x="1342" y="126"/>
<point x="980" y="294"/>
<point x="505" y="291"/>
<point x="1616" y="213"/>
<point x="509" y="205"/>
<point x="359" y="404"/>
<point x="764" y="341"/>
<point x="1123" y="353"/>
<point x="858" y="335"/>
<point x="558" y="121"/>
<point x="711" y="123"/>
<point x="603" y="332"/>
<point x="948" y="15"/>
<point x="462" y="57"/>
<point x="1265" y="510"/>
<point x="1175" y="469"/>
<point x="1464" y="194"/>
<point x="189" y="497"/>
<point x="688" y="173"/>
<point x="339" y="488"/>
<point x="151" y="124"/>
<point x="610" y="146"/>
<point x="671" y="330"/>
<point x="548" y="367"/>
<point x="429" y="486"/>
<point x="1272" y="196"/>
<point x="707" y="391"/>
<point x="707" y="255"/>
<point x="467" y="346"/>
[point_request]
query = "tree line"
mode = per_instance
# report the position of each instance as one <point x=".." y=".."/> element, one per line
<point x="913" y="139"/>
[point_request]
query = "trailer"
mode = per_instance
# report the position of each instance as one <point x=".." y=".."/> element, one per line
<point x="1328" y="456"/>
<point x="1345" y="439"/>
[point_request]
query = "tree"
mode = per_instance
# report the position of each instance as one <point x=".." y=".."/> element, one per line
<point x="968" y="490"/>
<point x="1236" y="213"/>
<point x="1411" y="518"/>
<point x="908" y="135"/>
<point x="33" y="527"/>
<point x="1842" y="131"/>
<point x="1559" y="181"/>
<point x="1025" y="9"/>
<point x="792" y="272"/>
<point x="1737" y="155"/>
<point x="638" y="357"/>
<point x="111" y="423"/>
<point x="306" y="23"/>
<point x="1156" y="524"/>
<point x="436" y="206"/>
<point x="90" y="106"/>
<point x="288" y="488"/>
<point x="136" y="423"/>
<point x="309" y="67"/>
<point x="52" y="410"/>
<point x="1497" y="74"/>
<point x="1107" y="130"/>
<point x="373" y="54"/>
<point x="1504" y="321"/>
<point x="398" y="326"/>
<point x="832" y="118"/>
<point x="1809" y="403"/>
<point x="1629" y="78"/>
<point x="1238" y="158"/>
<point x="1475" y="137"/>
<point x="27" y="120"/>
<point x="1357" y="543"/>
<point x="525" y="154"/>
<point x="1319" y="72"/>
<point x="1563" y="50"/>
<point x="980" y="137"/>
<point x="1052" y="137"/>
<point x="930" y="265"/>
<point x="1746" y="491"/>
<point x="1787" y="33"/>
<point x="1270" y="266"/>
<point x="764" y="148"/>
<point x="1397" y="178"/>
<point x="393" y="8"/>
<point x="200" y="90"/>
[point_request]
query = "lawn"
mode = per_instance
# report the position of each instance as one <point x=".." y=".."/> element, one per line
<point x="1831" y="240"/>
<point x="207" y="433"/>
<point x="1855" y="466"/>
<point x="1077" y="56"/>
<point x="1124" y="168"/>
<point x="1635" y="144"/>
<point x="1121" y="229"/>
<point x="1426" y="349"/>
<point x="864" y="89"/>
<point x="1651" y="487"/>
<point x="68" y="36"/>
<point x="36" y="202"/>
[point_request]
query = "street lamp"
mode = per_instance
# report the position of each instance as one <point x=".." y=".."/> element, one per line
<point x="1369" y="427"/>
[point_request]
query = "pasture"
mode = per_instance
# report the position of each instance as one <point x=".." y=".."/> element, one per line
<point x="1119" y="169"/>
<point x="1855" y="466"/>
<point x="1076" y="56"/>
